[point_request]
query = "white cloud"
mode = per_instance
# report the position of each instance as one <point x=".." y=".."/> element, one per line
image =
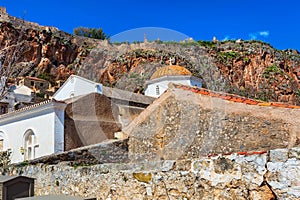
<point x="227" y="37"/>
<point x="264" y="33"/>
<point x="255" y="35"/>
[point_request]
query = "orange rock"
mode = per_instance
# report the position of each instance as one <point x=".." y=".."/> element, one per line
<point x="263" y="193"/>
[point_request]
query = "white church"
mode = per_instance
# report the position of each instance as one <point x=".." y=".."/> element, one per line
<point x="38" y="130"/>
<point x="159" y="81"/>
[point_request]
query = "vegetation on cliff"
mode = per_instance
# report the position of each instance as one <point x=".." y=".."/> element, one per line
<point x="91" y="33"/>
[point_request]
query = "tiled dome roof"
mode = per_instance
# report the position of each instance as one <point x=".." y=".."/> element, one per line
<point x="170" y="70"/>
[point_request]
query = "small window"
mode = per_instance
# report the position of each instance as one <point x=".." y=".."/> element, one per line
<point x="41" y="84"/>
<point x="157" y="90"/>
<point x="32" y="83"/>
<point x="3" y="109"/>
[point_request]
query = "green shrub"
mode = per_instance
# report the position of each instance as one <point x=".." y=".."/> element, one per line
<point x="206" y="43"/>
<point x="246" y="60"/>
<point x="272" y="69"/>
<point x="229" y="54"/>
<point x="91" y="33"/>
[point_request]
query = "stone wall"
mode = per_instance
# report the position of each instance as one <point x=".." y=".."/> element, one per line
<point x="251" y="175"/>
<point x="94" y="118"/>
<point x="109" y="151"/>
<point x="182" y="124"/>
<point x="89" y="120"/>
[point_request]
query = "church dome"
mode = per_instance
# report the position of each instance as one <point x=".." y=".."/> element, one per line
<point x="170" y="70"/>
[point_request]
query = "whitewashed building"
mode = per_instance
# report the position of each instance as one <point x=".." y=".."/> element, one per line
<point x="22" y="93"/>
<point x="18" y="94"/>
<point x="38" y="130"/>
<point x="159" y="81"/>
<point x="33" y="131"/>
<point x="81" y="112"/>
<point x="77" y="86"/>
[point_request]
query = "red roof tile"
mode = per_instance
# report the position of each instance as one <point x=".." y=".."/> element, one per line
<point x="234" y="98"/>
<point x="35" y="78"/>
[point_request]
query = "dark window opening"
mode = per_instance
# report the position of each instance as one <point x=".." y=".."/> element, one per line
<point x="157" y="90"/>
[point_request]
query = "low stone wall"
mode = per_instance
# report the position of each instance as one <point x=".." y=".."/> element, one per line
<point x="248" y="175"/>
<point x="110" y="151"/>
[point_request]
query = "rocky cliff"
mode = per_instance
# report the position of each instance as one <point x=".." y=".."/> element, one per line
<point x="40" y="51"/>
<point x="249" y="68"/>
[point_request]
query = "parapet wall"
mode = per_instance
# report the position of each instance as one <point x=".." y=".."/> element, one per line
<point x="109" y="151"/>
<point x="249" y="175"/>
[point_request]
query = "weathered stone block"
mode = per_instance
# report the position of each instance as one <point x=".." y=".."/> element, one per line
<point x="294" y="153"/>
<point x="143" y="177"/>
<point x="263" y="193"/>
<point x="279" y="155"/>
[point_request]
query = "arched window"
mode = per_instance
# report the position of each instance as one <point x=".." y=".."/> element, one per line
<point x="3" y="142"/>
<point x="157" y="90"/>
<point x="30" y="145"/>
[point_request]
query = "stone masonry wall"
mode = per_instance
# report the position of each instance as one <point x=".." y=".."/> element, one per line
<point x="182" y="124"/>
<point x="109" y="151"/>
<point x="250" y="175"/>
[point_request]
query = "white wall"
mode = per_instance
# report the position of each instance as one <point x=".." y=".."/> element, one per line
<point x="163" y="86"/>
<point x="44" y="121"/>
<point x="76" y="86"/>
<point x="59" y="131"/>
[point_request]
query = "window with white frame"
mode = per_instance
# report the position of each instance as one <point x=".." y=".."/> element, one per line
<point x="2" y="139"/>
<point x="1" y="144"/>
<point x="30" y="145"/>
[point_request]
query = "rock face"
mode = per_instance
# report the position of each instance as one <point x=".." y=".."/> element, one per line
<point x="39" y="51"/>
<point x="248" y="68"/>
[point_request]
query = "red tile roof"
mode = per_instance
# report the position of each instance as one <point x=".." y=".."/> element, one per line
<point x="234" y="98"/>
<point x="35" y="78"/>
<point x="30" y="107"/>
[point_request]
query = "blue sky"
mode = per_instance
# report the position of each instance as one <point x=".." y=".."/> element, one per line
<point x="275" y="22"/>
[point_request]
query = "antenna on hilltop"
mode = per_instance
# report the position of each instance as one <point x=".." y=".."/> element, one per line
<point x="145" y="38"/>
